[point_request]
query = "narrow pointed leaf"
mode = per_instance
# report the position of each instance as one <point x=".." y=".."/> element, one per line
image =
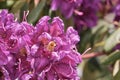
<point x="17" y="6"/>
<point x="34" y="14"/>
<point x="111" y="58"/>
<point x="112" y="41"/>
<point x="117" y="76"/>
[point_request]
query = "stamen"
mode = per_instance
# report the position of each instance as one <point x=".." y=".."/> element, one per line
<point x="25" y="15"/>
<point x="19" y="64"/>
<point x="78" y="12"/>
<point x="86" y="51"/>
<point x="3" y="27"/>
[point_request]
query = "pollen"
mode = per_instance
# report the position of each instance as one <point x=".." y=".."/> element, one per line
<point x="23" y="52"/>
<point x="51" y="45"/>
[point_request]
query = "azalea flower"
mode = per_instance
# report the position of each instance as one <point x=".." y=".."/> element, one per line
<point x="53" y="52"/>
<point x="67" y="7"/>
<point x="43" y="52"/>
<point x="89" y="17"/>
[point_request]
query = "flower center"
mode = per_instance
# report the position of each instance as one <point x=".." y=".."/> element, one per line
<point x="51" y="45"/>
<point x="23" y="52"/>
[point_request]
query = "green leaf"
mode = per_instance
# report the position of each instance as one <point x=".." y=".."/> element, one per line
<point x="90" y="71"/>
<point x="111" y="58"/>
<point x="18" y="4"/>
<point x="117" y="76"/>
<point x="98" y="35"/>
<point x="6" y="4"/>
<point x="3" y="4"/>
<point x="99" y="31"/>
<point x="35" y="13"/>
<point x="84" y="40"/>
<point x="112" y="41"/>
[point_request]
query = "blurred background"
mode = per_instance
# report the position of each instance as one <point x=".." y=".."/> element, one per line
<point x="97" y="22"/>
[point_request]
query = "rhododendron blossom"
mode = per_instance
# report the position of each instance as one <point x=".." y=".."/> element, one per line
<point x="43" y="52"/>
<point x="67" y="7"/>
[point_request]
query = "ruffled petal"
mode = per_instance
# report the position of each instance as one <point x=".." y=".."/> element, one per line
<point x="57" y="27"/>
<point x="72" y="35"/>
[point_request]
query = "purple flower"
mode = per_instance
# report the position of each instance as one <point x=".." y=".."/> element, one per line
<point x="117" y="13"/>
<point x="116" y="47"/>
<point x="53" y="51"/>
<point x="6" y="18"/>
<point x="3" y="56"/>
<point x="89" y="17"/>
<point x="114" y="7"/>
<point x="14" y="40"/>
<point x="67" y="7"/>
<point x="42" y="52"/>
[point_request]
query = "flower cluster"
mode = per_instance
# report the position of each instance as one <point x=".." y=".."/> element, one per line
<point x="43" y="52"/>
<point x="85" y="11"/>
<point x="89" y="17"/>
<point x="67" y="7"/>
